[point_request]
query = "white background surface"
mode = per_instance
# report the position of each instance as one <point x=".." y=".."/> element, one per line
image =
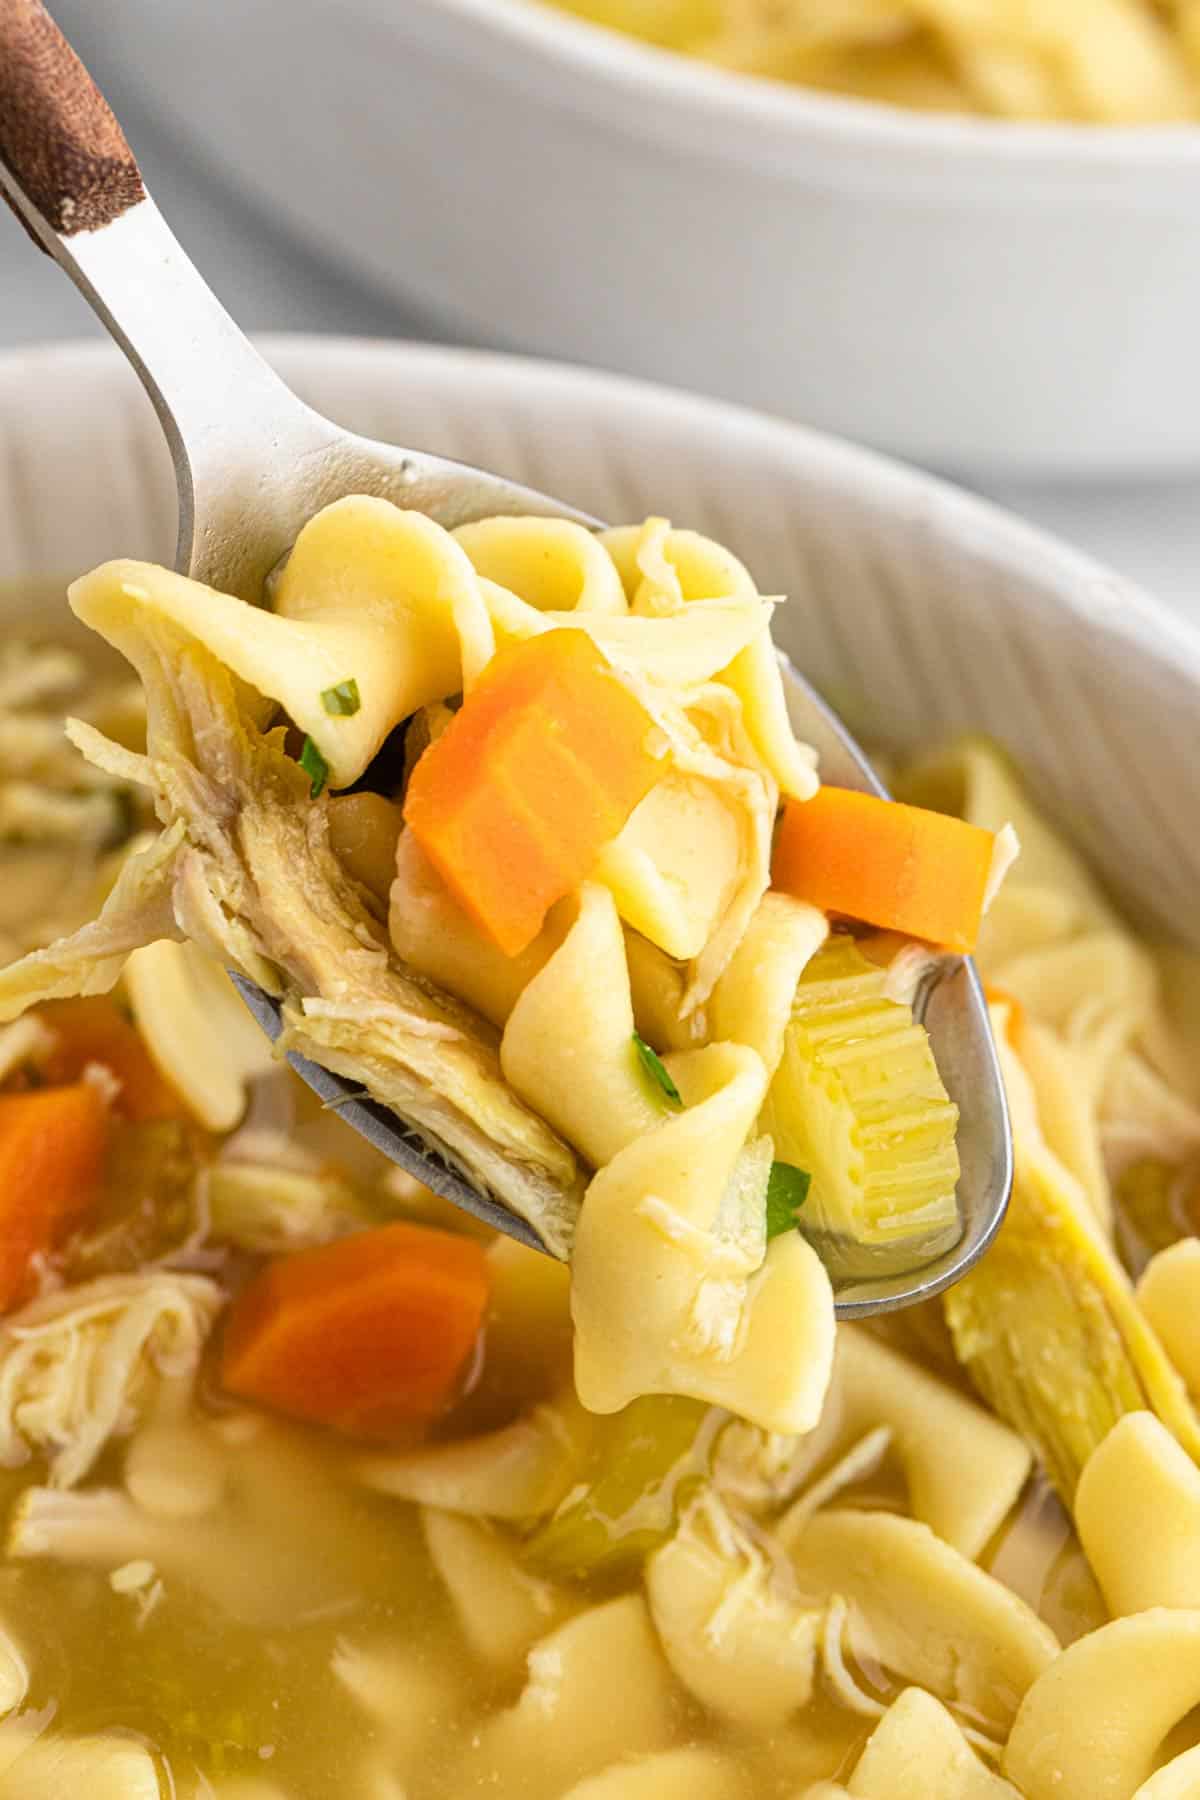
<point x="1149" y="531"/>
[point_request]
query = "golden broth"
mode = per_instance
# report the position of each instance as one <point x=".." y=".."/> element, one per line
<point x="272" y="1629"/>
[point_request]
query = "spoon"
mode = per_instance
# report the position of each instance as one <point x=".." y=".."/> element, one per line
<point x="253" y="464"/>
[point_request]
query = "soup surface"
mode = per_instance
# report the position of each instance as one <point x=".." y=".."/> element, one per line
<point x="299" y="1495"/>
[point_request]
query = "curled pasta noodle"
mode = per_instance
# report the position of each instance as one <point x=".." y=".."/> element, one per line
<point x="752" y="1001"/>
<point x="675" y="867"/>
<point x="677" y="653"/>
<point x="1097" y="990"/>
<point x="405" y="1693"/>
<point x="518" y="1472"/>
<point x="370" y="594"/>
<point x="554" y="565"/>
<point x="198" y="1031"/>
<point x="964" y="1469"/>
<point x="917" y="1748"/>
<point x="924" y="1611"/>
<point x="730" y="1628"/>
<point x="1169" y="1295"/>
<point x="1093" y="1722"/>
<point x="568" y="1047"/>
<point x="433" y="934"/>
<point x="661" y="569"/>
<point x="658" y="985"/>
<point x="557" y="1728"/>
<point x="501" y="1608"/>
<point x="104" y="1767"/>
<point x="1137" y="1512"/>
<point x="1177" y="1780"/>
<point x="671" y="1292"/>
<point x="665" y="570"/>
<point x="1068" y="1115"/>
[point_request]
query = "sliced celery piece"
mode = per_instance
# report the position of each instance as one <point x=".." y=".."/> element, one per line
<point x="858" y="1101"/>
<point x="644" y="1464"/>
<point x="1049" y="1330"/>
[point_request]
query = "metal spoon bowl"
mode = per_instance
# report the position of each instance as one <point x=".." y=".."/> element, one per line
<point x="253" y="464"/>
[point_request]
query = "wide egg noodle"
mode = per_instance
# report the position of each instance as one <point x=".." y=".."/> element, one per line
<point x="1177" y="1780"/>
<point x="433" y="934"/>
<point x="731" y="1628"/>
<point x="964" y="1470"/>
<point x="370" y="594"/>
<point x="568" y="1046"/>
<point x="666" y="572"/>
<point x="917" y="1748"/>
<point x="518" y="1472"/>
<point x="751" y="1003"/>
<point x="1169" y="1295"/>
<point x="554" y="565"/>
<point x="668" y="1296"/>
<point x="925" y="1612"/>
<point x="1094" y="1721"/>
<point x="502" y="1609"/>
<point x="1137" y="1475"/>
<point x="555" y="1733"/>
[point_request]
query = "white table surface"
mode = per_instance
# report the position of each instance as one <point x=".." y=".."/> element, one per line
<point x="1149" y="530"/>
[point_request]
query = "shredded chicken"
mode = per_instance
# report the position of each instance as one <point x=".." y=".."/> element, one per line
<point x="245" y="869"/>
<point x="78" y="1367"/>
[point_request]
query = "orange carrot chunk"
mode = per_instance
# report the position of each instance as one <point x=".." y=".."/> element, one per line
<point x="539" y="769"/>
<point x="52" y="1144"/>
<point x="369" y="1334"/>
<point x="895" y="866"/>
<point x="94" y="1030"/>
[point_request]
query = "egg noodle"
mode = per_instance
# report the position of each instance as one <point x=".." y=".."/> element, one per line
<point x="1119" y="62"/>
<point x="655" y="1526"/>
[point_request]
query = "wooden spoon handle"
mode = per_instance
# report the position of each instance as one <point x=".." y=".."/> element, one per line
<point x="58" y="138"/>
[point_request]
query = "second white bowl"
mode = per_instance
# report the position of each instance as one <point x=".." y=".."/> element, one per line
<point x="973" y="294"/>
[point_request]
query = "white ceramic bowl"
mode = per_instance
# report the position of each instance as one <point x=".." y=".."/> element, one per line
<point x="972" y="294"/>
<point x="917" y="609"/>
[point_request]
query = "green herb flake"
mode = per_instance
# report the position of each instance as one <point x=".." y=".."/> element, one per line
<point x="314" y="766"/>
<point x="787" y="1190"/>
<point x="343" y="700"/>
<point x="657" y="1070"/>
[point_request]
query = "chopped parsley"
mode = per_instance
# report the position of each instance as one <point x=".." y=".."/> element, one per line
<point x="657" y="1070"/>
<point x="314" y="766"/>
<point x="787" y="1190"/>
<point x="343" y="699"/>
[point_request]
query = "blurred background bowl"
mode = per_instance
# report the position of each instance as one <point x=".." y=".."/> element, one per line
<point x="989" y="297"/>
<point x="919" y="611"/>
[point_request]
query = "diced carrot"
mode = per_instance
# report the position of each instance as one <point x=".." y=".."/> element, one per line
<point x="94" y="1030"/>
<point x="895" y="866"/>
<point x="539" y="769"/>
<point x="369" y="1334"/>
<point x="52" y="1143"/>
